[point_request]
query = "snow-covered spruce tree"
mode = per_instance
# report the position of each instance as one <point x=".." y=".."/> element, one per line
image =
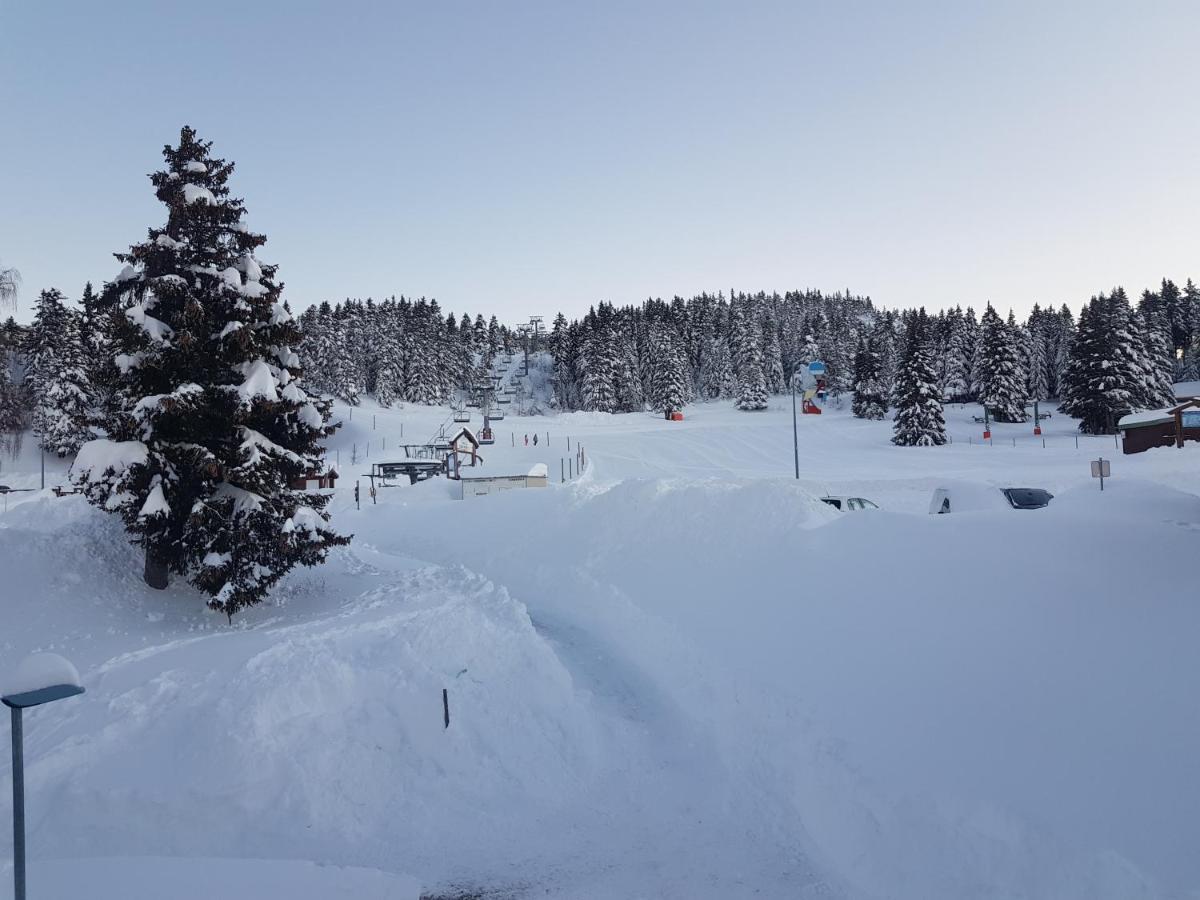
<point x="42" y="351"/>
<point x="919" y="421"/>
<point x="956" y="361"/>
<point x="716" y="374"/>
<point x="870" y="399"/>
<point x="63" y="414"/>
<point x="1159" y="360"/>
<point x="1101" y="382"/>
<point x="751" y="381"/>
<point x="210" y="424"/>
<point x="597" y="393"/>
<point x="12" y="407"/>
<point x="1001" y="376"/>
<point x="667" y="389"/>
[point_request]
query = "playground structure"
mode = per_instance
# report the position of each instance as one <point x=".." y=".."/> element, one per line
<point x="812" y="382"/>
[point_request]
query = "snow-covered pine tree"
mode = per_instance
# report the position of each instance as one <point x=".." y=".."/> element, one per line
<point x="919" y="420"/>
<point x="1101" y="382"/>
<point x="772" y="359"/>
<point x="1037" y="371"/>
<point x="12" y="406"/>
<point x="752" y="384"/>
<point x="42" y="348"/>
<point x="716" y="375"/>
<point x="211" y="423"/>
<point x="597" y="393"/>
<point x="667" y="389"/>
<point x="870" y="399"/>
<point x="1001" y="377"/>
<point x="956" y="362"/>
<point x="63" y="414"/>
<point x="1158" y="360"/>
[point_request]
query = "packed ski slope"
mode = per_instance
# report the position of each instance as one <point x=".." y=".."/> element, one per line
<point x="678" y="675"/>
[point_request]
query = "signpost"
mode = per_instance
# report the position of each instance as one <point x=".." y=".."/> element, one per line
<point x="1100" y="469"/>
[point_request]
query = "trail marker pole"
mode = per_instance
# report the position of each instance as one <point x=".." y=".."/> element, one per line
<point x="562" y="470"/>
<point x="571" y="468"/>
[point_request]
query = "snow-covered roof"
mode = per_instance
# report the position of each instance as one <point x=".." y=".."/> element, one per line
<point x="1186" y="390"/>
<point x="1148" y="417"/>
<point x="539" y="470"/>
<point x="468" y="434"/>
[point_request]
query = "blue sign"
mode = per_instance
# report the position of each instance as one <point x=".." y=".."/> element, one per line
<point x="1191" y="418"/>
<point x="816" y="367"/>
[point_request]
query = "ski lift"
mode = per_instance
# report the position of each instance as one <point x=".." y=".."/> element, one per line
<point x="486" y="436"/>
<point x="497" y="414"/>
<point x="461" y="415"/>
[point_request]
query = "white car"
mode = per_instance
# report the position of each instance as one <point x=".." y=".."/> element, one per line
<point x="846" y="504"/>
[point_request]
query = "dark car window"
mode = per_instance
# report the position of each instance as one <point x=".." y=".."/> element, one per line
<point x="836" y="504"/>
<point x="1028" y="498"/>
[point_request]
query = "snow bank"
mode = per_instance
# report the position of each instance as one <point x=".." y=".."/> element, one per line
<point x="149" y="878"/>
<point x="324" y="740"/>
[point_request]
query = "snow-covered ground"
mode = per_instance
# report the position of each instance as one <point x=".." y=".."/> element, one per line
<point x="679" y="675"/>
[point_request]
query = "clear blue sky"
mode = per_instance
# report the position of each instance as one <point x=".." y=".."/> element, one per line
<point x="524" y="158"/>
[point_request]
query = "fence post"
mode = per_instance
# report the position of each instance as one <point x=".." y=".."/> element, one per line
<point x="1076" y="442"/>
<point x="1014" y="442"/>
<point x="571" y="468"/>
<point x="568" y="442"/>
<point x="372" y="421"/>
<point x="562" y="470"/>
<point x="1043" y="443"/>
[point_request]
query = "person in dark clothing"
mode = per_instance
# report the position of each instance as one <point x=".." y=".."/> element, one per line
<point x="535" y="440"/>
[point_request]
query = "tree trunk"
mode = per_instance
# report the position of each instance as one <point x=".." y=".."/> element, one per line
<point x="156" y="574"/>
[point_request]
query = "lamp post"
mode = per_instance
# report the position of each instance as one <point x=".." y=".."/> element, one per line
<point x="795" y="433"/>
<point x="40" y="678"/>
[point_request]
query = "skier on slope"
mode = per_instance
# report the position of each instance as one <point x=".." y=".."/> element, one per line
<point x="526" y="440"/>
<point x="535" y="440"/>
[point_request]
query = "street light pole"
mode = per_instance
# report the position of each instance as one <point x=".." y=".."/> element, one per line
<point x="795" y="433"/>
<point x="41" y="678"/>
<point x="18" y="780"/>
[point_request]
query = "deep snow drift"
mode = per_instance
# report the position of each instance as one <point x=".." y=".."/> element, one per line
<point x="681" y="675"/>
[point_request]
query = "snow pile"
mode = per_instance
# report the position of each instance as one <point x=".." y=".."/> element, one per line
<point x="203" y="879"/>
<point x="40" y="670"/>
<point x="335" y="723"/>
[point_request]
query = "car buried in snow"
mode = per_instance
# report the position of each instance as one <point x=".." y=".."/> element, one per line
<point x="847" y="504"/>
<point x="980" y="498"/>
